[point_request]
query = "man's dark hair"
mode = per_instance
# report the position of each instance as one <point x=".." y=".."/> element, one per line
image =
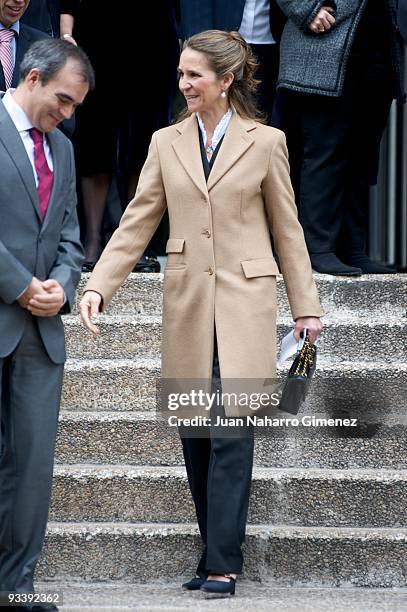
<point x="50" y="56"/>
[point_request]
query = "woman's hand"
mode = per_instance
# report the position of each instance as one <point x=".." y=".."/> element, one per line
<point x="323" y="21"/>
<point x="88" y="308"/>
<point x="313" y="325"/>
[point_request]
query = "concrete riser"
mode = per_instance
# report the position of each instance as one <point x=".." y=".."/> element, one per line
<point x="143" y="293"/>
<point x="126" y="338"/>
<point x="145" y="442"/>
<point x="322" y="560"/>
<point x="276" y="499"/>
<point x="128" y="387"/>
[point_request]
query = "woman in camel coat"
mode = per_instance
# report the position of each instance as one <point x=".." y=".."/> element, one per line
<point x="224" y="178"/>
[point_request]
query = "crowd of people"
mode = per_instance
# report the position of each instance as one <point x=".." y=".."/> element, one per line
<point x="326" y="73"/>
<point x="327" y="76"/>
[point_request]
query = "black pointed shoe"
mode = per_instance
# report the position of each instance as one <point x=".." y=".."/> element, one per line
<point x="368" y="266"/>
<point x="214" y="589"/>
<point x="328" y="263"/>
<point x="194" y="584"/>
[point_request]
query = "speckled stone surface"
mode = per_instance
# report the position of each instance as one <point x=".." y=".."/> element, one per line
<point x="142" y="293"/>
<point x="250" y="596"/>
<point x="364" y="388"/>
<point x="126" y="336"/>
<point x="284" y="555"/>
<point x="139" y="439"/>
<point x="279" y="496"/>
<point x="111" y="384"/>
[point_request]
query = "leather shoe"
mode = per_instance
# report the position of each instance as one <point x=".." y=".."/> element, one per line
<point x="218" y="588"/>
<point x="88" y="266"/>
<point x="328" y="263"/>
<point x="194" y="584"/>
<point x="148" y="263"/>
<point x="368" y="266"/>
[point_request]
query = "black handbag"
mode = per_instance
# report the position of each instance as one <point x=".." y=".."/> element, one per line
<point x="299" y="378"/>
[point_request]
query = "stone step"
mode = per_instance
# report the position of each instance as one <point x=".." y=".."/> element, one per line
<point x="166" y="596"/>
<point x="313" y="497"/>
<point x="142" y="293"/>
<point x="140" y="335"/>
<point x="130" y="385"/>
<point x="139" y="439"/>
<point x="283" y="555"/>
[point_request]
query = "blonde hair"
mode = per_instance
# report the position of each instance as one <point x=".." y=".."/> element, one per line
<point x="229" y="52"/>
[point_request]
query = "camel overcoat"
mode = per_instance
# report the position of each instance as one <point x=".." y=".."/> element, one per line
<point x="221" y="270"/>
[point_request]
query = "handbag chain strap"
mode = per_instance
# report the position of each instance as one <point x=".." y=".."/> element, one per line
<point x="306" y="358"/>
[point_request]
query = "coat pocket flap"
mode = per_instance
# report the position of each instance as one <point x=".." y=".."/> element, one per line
<point x="260" y="267"/>
<point x="175" y="245"/>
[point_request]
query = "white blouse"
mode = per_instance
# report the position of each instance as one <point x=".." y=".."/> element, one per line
<point x="218" y="133"/>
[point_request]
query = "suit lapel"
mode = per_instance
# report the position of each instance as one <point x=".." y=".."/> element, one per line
<point x="2" y="79"/>
<point x="235" y="144"/>
<point x="15" y="148"/>
<point x="22" y="43"/>
<point x="188" y="151"/>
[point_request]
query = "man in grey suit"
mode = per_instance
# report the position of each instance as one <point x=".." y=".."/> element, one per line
<point x="40" y="262"/>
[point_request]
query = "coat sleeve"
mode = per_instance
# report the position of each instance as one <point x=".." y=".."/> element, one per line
<point x="303" y="12"/>
<point x="137" y="226"/>
<point x="68" y="262"/>
<point x="288" y="235"/>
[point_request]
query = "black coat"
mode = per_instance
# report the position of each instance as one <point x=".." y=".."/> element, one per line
<point x="200" y="15"/>
<point x="43" y="15"/>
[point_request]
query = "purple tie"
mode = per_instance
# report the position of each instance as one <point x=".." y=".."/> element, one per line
<point x="45" y="175"/>
<point x="6" y="55"/>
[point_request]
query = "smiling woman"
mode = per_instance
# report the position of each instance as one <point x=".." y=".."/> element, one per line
<point x="225" y="180"/>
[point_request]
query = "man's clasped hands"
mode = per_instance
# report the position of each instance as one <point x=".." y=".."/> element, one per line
<point x="43" y="298"/>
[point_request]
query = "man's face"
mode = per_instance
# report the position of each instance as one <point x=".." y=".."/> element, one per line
<point x="47" y="105"/>
<point x="11" y="11"/>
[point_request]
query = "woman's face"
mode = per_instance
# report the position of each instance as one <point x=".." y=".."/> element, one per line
<point x="198" y="83"/>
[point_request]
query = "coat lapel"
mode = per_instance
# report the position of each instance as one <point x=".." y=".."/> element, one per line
<point x="235" y="143"/>
<point x="188" y="151"/>
<point x="14" y="146"/>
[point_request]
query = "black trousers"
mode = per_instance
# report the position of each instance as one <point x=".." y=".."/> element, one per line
<point x="219" y="473"/>
<point x="340" y="140"/>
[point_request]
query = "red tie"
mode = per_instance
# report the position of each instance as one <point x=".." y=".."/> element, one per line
<point x="45" y="175"/>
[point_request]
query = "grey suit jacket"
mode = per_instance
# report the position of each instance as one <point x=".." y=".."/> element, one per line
<point x="317" y="64"/>
<point x="29" y="247"/>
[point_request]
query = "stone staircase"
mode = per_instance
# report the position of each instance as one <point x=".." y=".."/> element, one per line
<point x="328" y="505"/>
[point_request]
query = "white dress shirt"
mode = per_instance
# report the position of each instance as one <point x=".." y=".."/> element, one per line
<point x="23" y="125"/>
<point x="255" y="26"/>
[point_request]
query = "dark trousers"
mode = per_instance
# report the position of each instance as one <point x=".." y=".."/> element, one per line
<point x="340" y="150"/>
<point x="219" y="473"/>
<point x="30" y="386"/>
<point x="267" y="73"/>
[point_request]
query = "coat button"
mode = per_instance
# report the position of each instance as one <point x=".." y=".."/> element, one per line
<point x="210" y="271"/>
<point x="206" y="233"/>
